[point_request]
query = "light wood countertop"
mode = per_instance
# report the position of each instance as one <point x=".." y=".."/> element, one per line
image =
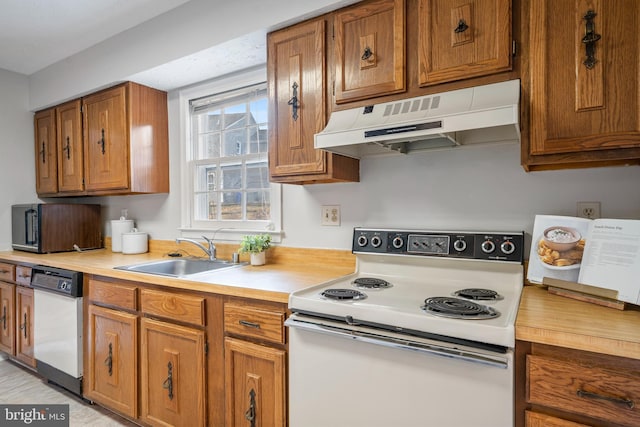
<point x="288" y="270"/>
<point x="565" y="322"/>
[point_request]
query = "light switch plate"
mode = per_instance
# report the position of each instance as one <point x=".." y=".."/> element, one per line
<point x="330" y="215"/>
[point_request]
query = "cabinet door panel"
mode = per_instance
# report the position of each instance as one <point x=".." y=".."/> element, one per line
<point x="255" y="384"/>
<point x="106" y="148"/>
<point x="113" y="357"/>
<point x="460" y="39"/>
<point x="7" y="314"/>
<point x="24" y="325"/>
<point x="582" y="112"/>
<point x="45" y="149"/>
<point x="70" y="152"/>
<point x="296" y="67"/>
<point x="369" y="50"/>
<point x="173" y="374"/>
<point x="534" y="419"/>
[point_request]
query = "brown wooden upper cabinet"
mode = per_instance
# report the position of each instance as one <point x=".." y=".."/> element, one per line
<point x="70" y="153"/>
<point x="112" y="142"/>
<point x="297" y="108"/>
<point x="126" y="140"/>
<point x="45" y="149"/>
<point x="460" y="39"/>
<point x="583" y="90"/>
<point x="370" y="50"/>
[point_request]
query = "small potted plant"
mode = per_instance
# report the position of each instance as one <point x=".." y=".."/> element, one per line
<point x="256" y="245"/>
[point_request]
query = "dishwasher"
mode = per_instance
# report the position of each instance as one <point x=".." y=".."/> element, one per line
<point x="57" y="298"/>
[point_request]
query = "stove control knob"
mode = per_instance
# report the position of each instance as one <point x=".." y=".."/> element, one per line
<point x="488" y="246"/>
<point x="397" y="242"/>
<point x="508" y="247"/>
<point x="459" y="245"/>
<point x="362" y="241"/>
<point x="376" y="241"/>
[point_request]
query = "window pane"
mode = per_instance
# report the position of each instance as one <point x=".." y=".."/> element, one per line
<point x="257" y="139"/>
<point x="208" y="146"/>
<point x="258" y="110"/>
<point x="205" y="206"/>
<point x="257" y="175"/>
<point x="232" y="177"/>
<point x="234" y="142"/>
<point x="211" y="121"/>
<point x="258" y="205"/>
<point x="235" y="117"/>
<point x="231" y="205"/>
<point x="206" y="178"/>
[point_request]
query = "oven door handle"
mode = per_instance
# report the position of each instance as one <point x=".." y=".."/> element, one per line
<point x="398" y="343"/>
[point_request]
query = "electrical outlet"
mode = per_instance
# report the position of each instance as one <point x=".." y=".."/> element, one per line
<point x="589" y="210"/>
<point x="330" y="215"/>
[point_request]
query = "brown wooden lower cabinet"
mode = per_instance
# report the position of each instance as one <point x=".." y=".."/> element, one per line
<point x="255" y="384"/>
<point x="173" y="374"/>
<point x="571" y="388"/>
<point x="7" y="315"/>
<point x="111" y="377"/>
<point x="24" y="326"/>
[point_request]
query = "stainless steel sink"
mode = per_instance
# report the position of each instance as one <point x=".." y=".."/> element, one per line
<point x="180" y="267"/>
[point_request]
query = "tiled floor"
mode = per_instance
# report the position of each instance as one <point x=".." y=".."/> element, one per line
<point x="20" y="386"/>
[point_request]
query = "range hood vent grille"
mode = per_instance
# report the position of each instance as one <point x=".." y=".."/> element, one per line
<point x="480" y="114"/>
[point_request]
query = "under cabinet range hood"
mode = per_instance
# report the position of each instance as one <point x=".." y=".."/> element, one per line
<point x="480" y="114"/>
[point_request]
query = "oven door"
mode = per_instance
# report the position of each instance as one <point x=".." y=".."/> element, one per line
<point x="341" y="375"/>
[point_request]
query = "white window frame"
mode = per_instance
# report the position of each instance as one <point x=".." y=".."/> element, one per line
<point x="220" y="230"/>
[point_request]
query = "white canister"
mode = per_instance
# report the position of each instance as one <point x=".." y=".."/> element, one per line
<point x="118" y="227"/>
<point x="135" y="242"/>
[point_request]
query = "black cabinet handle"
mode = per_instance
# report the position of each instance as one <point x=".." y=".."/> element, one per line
<point x="102" y="142"/>
<point x="295" y="105"/>
<point x="249" y="324"/>
<point x="67" y="148"/>
<point x="368" y="53"/>
<point x="4" y="317"/>
<point x="168" y="383"/>
<point x="618" y="400"/>
<point x="589" y="40"/>
<point x="23" y="327"/>
<point x="250" y="414"/>
<point x="109" y="360"/>
<point x="462" y="27"/>
<point x="44" y="153"/>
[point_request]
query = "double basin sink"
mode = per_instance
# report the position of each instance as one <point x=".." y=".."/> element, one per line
<point x="181" y="268"/>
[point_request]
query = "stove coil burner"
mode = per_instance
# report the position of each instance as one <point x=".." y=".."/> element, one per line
<point x="343" y="294"/>
<point x="478" y="294"/>
<point x="371" y="283"/>
<point x="456" y="308"/>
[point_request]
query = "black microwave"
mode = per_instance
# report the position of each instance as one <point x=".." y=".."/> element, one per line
<point x="56" y="227"/>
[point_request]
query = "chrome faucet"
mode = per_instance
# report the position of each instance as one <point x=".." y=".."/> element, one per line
<point x="211" y="251"/>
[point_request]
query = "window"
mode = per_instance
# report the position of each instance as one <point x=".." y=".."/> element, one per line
<point x="226" y="159"/>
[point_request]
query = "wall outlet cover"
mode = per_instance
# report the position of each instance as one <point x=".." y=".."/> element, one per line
<point x="330" y="215"/>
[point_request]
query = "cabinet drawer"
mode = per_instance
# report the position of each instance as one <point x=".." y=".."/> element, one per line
<point x="182" y="308"/>
<point x="254" y="322"/>
<point x="600" y="393"/>
<point x="7" y="271"/>
<point x="113" y="294"/>
<point x="23" y="275"/>
<point x="534" y="419"/>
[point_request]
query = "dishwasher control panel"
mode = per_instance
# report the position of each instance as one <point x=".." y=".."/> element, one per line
<point x="57" y="280"/>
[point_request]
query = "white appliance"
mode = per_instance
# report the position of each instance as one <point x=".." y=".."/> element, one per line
<point x="381" y="347"/>
<point x="481" y="114"/>
<point x="57" y="299"/>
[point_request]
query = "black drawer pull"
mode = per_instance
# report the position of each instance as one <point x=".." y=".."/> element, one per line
<point x="619" y="400"/>
<point x="249" y="324"/>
